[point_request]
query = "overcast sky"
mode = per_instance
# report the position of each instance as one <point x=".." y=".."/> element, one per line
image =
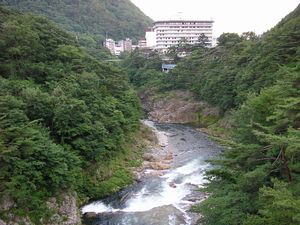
<point x="229" y="15"/>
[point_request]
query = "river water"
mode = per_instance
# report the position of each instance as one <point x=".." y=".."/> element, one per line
<point x="164" y="199"/>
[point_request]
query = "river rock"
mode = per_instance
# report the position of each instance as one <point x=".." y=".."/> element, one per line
<point x="167" y="161"/>
<point x="137" y="176"/>
<point x="89" y="215"/>
<point x="149" y="157"/>
<point x="169" y="156"/>
<point x="172" y="184"/>
<point x="196" y="197"/>
<point x="159" y="166"/>
<point x="146" y="165"/>
<point x="156" y="173"/>
<point x="156" y="216"/>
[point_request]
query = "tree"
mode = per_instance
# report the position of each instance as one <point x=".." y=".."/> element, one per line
<point x="228" y="40"/>
<point x="203" y="41"/>
<point x="63" y="116"/>
<point x="250" y="36"/>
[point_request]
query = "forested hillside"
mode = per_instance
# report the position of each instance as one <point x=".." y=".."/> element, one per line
<point x="255" y="80"/>
<point x="240" y="64"/>
<point x="63" y="116"/>
<point x="258" y="182"/>
<point x="116" y="18"/>
<point x="90" y="20"/>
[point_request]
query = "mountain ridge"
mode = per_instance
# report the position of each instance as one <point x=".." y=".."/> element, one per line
<point x="116" y="18"/>
<point x="91" y="21"/>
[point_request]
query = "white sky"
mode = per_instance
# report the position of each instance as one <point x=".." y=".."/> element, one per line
<point x="229" y="15"/>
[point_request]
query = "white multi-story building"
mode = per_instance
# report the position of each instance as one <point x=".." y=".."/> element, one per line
<point x="128" y="45"/>
<point x="119" y="47"/>
<point x="169" y="33"/>
<point x="116" y="48"/>
<point x="150" y="38"/>
<point x="142" y="43"/>
<point x="111" y="45"/>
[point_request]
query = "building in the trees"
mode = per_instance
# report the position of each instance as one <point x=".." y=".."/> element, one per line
<point x="116" y="48"/>
<point x="128" y="45"/>
<point x="167" y="67"/>
<point x="111" y="45"/>
<point x="119" y="47"/>
<point x="168" y="33"/>
<point x="142" y="43"/>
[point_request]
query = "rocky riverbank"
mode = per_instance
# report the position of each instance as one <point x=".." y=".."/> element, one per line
<point x="182" y="107"/>
<point x="158" y="157"/>
<point x="167" y="181"/>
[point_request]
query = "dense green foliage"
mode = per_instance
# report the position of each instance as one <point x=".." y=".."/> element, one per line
<point x="258" y="181"/>
<point x="90" y="20"/>
<point x="144" y="69"/>
<point x="63" y="115"/>
<point x="239" y="65"/>
<point x="257" y="79"/>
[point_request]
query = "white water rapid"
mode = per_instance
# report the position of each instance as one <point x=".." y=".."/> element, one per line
<point x="166" y="199"/>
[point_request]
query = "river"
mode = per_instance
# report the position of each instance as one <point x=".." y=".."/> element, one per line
<point x="163" y="199"/>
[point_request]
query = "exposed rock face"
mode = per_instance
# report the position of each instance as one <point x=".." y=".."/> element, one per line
<point x="17" y="221"/>
<point x="174" y="112"/>
<point x="6" y="203"/>
<point x="67" y="212"/>
<point x="176" y="107"/>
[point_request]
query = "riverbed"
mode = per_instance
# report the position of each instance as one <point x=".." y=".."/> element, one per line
<point x="162" y="198"/>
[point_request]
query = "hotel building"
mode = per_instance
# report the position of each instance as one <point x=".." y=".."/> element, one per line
<point x="167" y="33"/>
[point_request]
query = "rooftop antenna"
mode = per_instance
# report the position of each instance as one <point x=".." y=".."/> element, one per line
<point x="180" y="15"/>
